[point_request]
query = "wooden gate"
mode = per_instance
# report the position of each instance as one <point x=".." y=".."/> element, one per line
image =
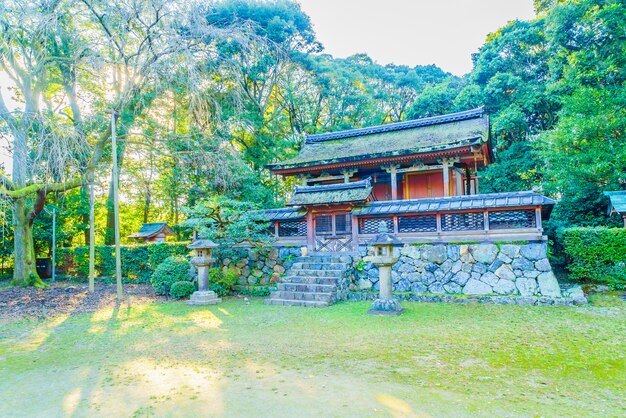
<point x="333" y="232"/>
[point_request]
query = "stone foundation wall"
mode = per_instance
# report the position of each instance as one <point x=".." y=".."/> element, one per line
<point x="467" y="269"/>
<point x="258" y="266"/>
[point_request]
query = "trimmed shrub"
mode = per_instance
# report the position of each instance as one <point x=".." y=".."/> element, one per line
<point x="222" y="281"/>
<point x="596" y="255"/>
<point x="180" y="290"/>
<point x="138" y="261"/>
<point x="173" y="269"/>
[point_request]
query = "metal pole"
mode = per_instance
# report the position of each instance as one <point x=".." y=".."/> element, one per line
<point x="116" y="211"/>
<point x="92" y="245"/>
<point x="54" y="242"/>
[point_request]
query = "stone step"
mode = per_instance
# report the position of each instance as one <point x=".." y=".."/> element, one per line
<point x="287" y="295"/>
<point x="316" y="273"/>
<point x="319" y="266"/>
<point x="287" y="302"/>
<point x="310" y="280"/>
<point x="307" y="287"/>
<point x="322" y="259"/>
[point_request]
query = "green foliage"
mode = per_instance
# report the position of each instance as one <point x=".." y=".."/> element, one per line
<point x="138" y="261"/>
<point x="228" y="222"/>
<point x="586" y="154"/>
<point x="173" y="269"/>
<point x="181" y="290"/>
<point x="222" y="281"/>
<point x="511" y="172"/>
<point x="596" y="255"/>
<point x="253" y="290"/>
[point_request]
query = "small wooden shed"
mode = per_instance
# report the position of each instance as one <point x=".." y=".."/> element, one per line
<point x="153" y="232"/>
<point x="617" y="204"/>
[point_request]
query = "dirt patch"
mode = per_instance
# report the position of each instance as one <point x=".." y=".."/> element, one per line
<point x="67" y="298"/>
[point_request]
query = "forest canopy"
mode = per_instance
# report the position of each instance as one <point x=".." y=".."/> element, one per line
<point x="205" y="94"/>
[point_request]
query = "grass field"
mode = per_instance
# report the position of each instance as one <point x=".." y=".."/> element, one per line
<point x="235" y="359"/>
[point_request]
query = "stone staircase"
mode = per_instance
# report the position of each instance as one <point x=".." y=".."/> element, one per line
<point x="311" y="281"/>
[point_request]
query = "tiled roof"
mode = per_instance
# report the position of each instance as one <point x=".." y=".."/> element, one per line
<point x="356" y="191"/>
<point x="418" y="136"/>
<point x="202" y="243"/>
<point x="148" y="230"/>
<point x="398" y="126"/>
<point x="455" y="203"/>
<point x="617" y="201"/>
<point x="282" y="214"/>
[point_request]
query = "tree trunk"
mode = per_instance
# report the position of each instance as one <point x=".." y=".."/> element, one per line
<point x="25" y="271"/>
<point x="109" y="233"/>
<point x="146" y="207"/>
<point x="84" y="196"/>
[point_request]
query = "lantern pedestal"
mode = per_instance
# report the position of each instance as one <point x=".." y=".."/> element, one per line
<point x="203" y="261"/>
<point x="200" y="297"/>
<point x="382" y="255"/>
<point x="385" y="304"/>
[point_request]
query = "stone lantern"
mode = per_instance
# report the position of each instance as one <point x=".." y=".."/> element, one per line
<point x="203" y="260"/>
<point x="382" y="255"/>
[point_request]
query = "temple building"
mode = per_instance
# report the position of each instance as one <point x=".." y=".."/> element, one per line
<point x="421" y="177"/>
<point x="153" y="233"/>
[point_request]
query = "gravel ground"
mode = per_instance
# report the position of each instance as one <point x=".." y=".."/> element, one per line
<point x="66" y="298"/>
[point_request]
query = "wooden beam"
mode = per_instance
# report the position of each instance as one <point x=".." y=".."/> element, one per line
<point x="417" y="168"/>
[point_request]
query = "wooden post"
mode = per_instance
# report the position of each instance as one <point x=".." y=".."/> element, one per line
<point x="395" y="225"/>
<point x="394" y="183"/>
<point x="393" y="173"/>
<point x="468" y="181"/>
<point x="538" y="219"/>
<point x="310" y="231"/>
<point x="438" y="218"/>
<point x="116" y="211"/>
<point x="459" y="183"/>
<point x="355" y="233"/>
<point x="446" y="179"/>
<point x="486" y="221"/>
<point x="92" y="244"/>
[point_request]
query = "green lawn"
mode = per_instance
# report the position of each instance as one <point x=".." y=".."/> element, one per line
<point x="255" y="360"/>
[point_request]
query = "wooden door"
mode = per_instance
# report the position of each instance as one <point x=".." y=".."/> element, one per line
<point x="421" y="185"/>
<point x="333" y="231"/>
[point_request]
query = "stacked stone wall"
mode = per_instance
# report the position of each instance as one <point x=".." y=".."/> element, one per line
<point x="467" y="269"/>
<point x="461" y="273"/>
<point x="258" y="266"/>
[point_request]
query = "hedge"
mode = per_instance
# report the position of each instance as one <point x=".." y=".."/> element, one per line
<point x="596" y="255"/>
<point x="138" y="261"/>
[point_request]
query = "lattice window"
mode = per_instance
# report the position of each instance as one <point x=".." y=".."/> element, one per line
<point x="324" y="224"/>
<point x="512" y="219"/>
<point x="343" y="223"/>
<point x="292" y="229"/>
<point x="370" y="225"/>
<point x="462" y="222"/>
<point x="426" y="223"/>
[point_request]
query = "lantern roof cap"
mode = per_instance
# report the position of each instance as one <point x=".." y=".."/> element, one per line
<point x="202" y="243"/>
<point x="384" y="237"/>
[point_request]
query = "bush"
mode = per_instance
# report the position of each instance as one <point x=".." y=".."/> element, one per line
<point x="596" y="255"/>
<point x="138" y="261"/>
<point x="180" y="290"/>
<point x="173" y="269"/>
<point x="222" y="281"/>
